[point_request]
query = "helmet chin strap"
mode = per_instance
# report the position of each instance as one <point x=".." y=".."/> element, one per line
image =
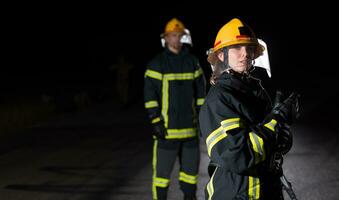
<point x="225" y="62"/>
<point x="252" y="67"/>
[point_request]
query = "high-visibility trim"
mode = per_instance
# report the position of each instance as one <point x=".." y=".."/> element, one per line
<point x="181" y="133"/>
<point x="155" y="120"/>
<point x="230" y="124"/>
<point x="151" y="104"/>
<point x="271" y="125"/>
<point x="179" y="76"/>
<point x="154" y="165"/>
<point x="153" y="74"/>
<point x="253" y="188"/>
<point x="198" y="73"/>
<point x="165" y="87"/>
<point x="220" y="133"/>
<point x="210" y="187"/>
<point x="200" y="101"/>
<point x="188" y="178"/>
<point x="161" y="182"/>
<point x="214" y="138"/>
<point x="165" y="99"/>
<point x="258" y="147"/>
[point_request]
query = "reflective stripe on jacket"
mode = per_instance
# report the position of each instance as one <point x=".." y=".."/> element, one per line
<point x="231" y="108"/>
<point x="174" y="90"/>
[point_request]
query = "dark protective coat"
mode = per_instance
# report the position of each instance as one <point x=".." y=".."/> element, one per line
<point x="174" y="90"/>
<point x="232" y="108"/>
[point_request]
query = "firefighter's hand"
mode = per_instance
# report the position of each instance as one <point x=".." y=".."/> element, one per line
<point x="284" y="139"/>
<point x="267" y="135"/>
<point x="288" y="110"/>
<point x="159" y="130"/>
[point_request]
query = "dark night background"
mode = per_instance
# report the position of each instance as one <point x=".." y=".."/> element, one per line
<point x="62" y="50"/>
<point x="63" y="46"/>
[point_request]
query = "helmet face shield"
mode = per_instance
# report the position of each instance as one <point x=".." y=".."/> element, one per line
<point x="263" y="60"/>
<point x="186" y="38"/>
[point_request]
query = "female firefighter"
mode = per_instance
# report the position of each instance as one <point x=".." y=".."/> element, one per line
<point x="237" y="120"/>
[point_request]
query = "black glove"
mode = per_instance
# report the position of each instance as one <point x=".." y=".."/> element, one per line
<point x="266" y="134"/>
<point x="284" y="112"/>
<point x="159" y="129"/>
<point x="284" y="140"/>
<point x="282" y="145"/>
<point x="288" y="110"/>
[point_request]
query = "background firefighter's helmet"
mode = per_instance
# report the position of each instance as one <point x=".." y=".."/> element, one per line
<point x="174" y="25"/>
<point x="185" y="39"/>
<point x="235" y="32"/>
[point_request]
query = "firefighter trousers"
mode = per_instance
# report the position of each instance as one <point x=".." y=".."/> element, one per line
<point x="165" y="153"/>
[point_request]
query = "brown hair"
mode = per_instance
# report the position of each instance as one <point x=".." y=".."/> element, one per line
<point x="218" y="67"/>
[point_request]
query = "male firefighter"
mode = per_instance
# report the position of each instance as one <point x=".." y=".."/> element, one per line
<point x="174" y="90"/>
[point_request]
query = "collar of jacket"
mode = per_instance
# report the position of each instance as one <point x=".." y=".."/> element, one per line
<point x="246" y="87"/>
<point x="183" y="51"/>
<point x="242" y="82"/>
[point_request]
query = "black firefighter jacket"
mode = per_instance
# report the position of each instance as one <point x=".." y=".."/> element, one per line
<point x="174" y="90"/>
<point x="231" y="108"/>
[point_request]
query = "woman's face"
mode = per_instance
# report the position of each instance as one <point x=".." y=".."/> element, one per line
<point x="239" y="57"/>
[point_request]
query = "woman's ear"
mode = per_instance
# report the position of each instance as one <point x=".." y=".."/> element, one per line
<point x="220" y="55"/>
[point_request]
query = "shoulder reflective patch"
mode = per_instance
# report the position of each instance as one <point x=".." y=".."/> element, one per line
<point x="153" y="74"/>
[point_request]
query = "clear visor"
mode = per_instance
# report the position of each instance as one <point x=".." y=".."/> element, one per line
<point x="263" y="60"/>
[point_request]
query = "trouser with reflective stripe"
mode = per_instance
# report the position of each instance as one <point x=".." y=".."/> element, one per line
<point x="165" y="153"/>
<point x="225" y="184"/>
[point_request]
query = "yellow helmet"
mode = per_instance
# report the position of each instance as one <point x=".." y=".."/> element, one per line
<point x="235" y="32"/>
<point x="174" y="25"/>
